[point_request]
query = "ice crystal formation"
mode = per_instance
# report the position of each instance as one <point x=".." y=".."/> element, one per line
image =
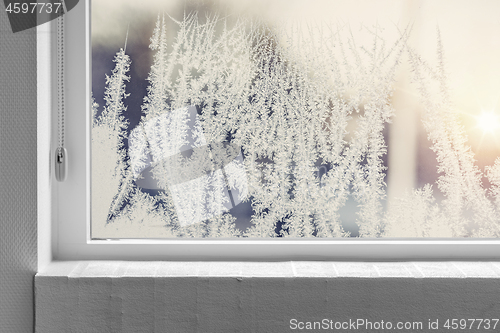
<point x="240" y="112"/>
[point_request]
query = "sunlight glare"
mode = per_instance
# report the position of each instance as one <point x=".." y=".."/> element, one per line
<point x="489" y="122"/>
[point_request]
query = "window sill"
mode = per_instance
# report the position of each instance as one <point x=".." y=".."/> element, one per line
<point x="290" y="269"/>
<point x="125" y="296"/>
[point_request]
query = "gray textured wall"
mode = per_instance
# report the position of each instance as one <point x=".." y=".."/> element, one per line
<point x="18" y="229"/>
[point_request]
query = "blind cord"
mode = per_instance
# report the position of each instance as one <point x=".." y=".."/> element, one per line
<point x="61" y="163"/>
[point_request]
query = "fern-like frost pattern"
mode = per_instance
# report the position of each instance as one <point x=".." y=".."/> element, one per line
<point x="238" y="112"/>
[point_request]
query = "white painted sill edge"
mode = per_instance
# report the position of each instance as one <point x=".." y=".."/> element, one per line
<point x="288" y="269"/>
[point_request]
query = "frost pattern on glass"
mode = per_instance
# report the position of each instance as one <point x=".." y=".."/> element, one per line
<point x="239" y="112"/>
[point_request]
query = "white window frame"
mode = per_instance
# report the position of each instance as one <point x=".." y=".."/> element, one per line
<point x="64" y="208"/>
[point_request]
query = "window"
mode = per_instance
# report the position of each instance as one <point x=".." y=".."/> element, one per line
<point x="274" y="102"/>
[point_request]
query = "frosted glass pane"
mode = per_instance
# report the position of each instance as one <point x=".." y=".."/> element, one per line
<point x="295" y="119"/>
